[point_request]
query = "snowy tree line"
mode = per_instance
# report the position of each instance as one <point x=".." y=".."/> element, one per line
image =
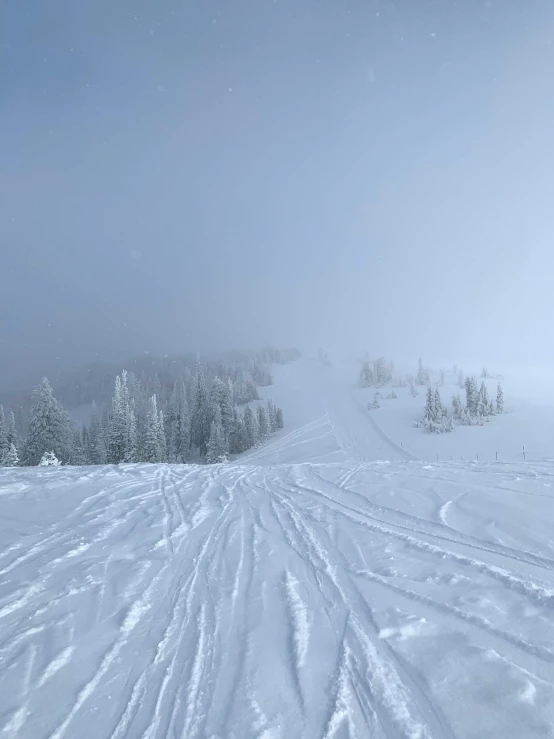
<point x="206" y="415"/>
<point x="95" y="382"/>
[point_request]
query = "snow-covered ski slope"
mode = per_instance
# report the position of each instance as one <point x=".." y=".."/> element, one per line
<point x="307" y="590"/>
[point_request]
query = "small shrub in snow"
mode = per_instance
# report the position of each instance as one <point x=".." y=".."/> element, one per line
<point x="49" y="459"/>
<point x="392" y="396"/>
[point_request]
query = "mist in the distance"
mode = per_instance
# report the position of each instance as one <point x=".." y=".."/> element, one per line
<point x="178" y="176"/>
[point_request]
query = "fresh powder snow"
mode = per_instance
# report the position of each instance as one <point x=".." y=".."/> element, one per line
<point x="338" y="581"/>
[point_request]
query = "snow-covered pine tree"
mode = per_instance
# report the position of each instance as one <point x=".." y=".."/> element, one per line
<point x="178" y="424"/>
<point x="382" y="371"/>
<point x="4" y="444"/>
<point x="251" y="391"/>
<point x="457" y="407"/>
<point x="162" y="441"/>
<point x="221" y="397"/>
<point x="435" y="418"/>
<point x="472" y="396"/>
<point x="251" y="427"/>
<point x="499" y="399"/>
<point x="413" y="390"/>
<point x="131" y="436"/>
<point x="376" y="405"/>
<point x="271" y="417"/>
<point x="96" y="447"/>
<point x="151" y="451"/>
<point x="217" y="450"/>
<point x="77" y="456"/>
<point x="202" y="414"/>
<point x="483" y="401"/>
<point x="461" y="381"/>
<point x="49" y="427"/>
<point x="440" y="411"/>
<point x="263" y="423"/>
<point x="11" y="431"/>
<point x="430" y="414"/>
<point x="237" y="440"/>
<point x="441" y="380"/>
<point x="421" y="377"/>
<point x="366" y="375"/>
<point x="11" y="457"/>
<point x="117" y="428"/>
<point x="279" y="418"/>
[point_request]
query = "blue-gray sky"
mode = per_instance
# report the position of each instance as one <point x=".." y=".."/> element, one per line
<point x="180" y="174"/>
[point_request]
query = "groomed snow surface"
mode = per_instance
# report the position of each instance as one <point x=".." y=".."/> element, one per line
<point x="328" y="585"/>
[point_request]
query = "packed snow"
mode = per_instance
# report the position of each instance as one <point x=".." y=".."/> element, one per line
<point x="335" y="582"/>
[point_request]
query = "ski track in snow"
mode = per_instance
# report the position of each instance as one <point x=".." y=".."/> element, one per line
<point x="333" y="599"/>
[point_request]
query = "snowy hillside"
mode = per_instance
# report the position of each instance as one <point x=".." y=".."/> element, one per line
<point x="326" y="585"/>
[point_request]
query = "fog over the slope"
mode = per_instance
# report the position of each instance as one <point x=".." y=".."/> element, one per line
<point x="182" y="175"/>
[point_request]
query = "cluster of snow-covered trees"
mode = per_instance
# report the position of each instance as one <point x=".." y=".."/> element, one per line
<point x="378" y="372"/>
<point x="478" y="409"/>
<point x="197" y="417"/>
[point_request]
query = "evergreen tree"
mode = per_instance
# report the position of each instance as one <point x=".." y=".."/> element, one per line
<point x="117" y="428"/>
<point x="11" y="458"/>
<point x="435" y="418"/>
<point x="77" y="455"/>
<point x="237" y="435"/>
<point x="151" y="451"/>
<point x="162" y="442"/>
<point x="472" y="397"/>
<point x="251" y="427"/>
<point x="366" y="375"/>
<point x="483" y="401"/>
<point x="49" y="427"/>
<point x="441" y="381"/>
<point x="221" y="398"/>
<point x="178" y="425"/>
<point x="430" y="414"/>
<point x="499" y="399"/>
<point x="11" y="431"/>
<point x="4" y="444"/>
<point x="457" y="406"/>
<point x="131" y="439"/>
<point x="421" y="378"/>
<point x="440" y="412"/>
<point x="382" y="371"/>
<point x="216" y="451"/>
<point x="200" y="427"/>
<point x="263" y="423"/>
<point x="279" y="418"/>
<point x="461" y="381"/>
<point x="96" y="447"/>
<point x="271" y="416"/>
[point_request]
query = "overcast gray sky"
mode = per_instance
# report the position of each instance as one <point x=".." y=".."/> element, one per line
<point x="181" y="174"/>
